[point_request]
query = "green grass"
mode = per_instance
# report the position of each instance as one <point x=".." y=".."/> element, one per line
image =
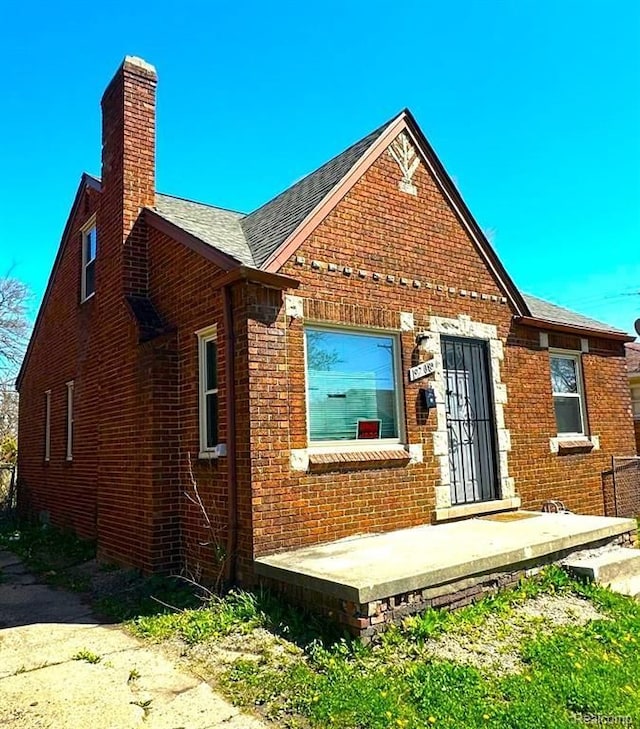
<point x="152" y="596"/>
<point x="567" y="674"/>
<point x="237" y="612"/>
<point x="86" y="655"/>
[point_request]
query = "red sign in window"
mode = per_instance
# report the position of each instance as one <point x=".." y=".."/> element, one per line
<point x="368" y="429"/>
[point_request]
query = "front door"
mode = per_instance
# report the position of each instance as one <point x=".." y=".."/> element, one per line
<point x="470" y="421"/>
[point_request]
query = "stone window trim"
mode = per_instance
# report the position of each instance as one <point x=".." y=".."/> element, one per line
<point x="360" y="457"/>
<point x="208" y="450"/>
<point x="357" y="455"/>
<point x="465" y="326"/>
<point x="566" y="446"/>
<point x="635" y="399"/>
<point x="87" y="279"/>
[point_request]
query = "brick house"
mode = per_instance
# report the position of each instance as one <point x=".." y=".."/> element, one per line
<point x="351" y="357"/>
<point x="633" y="371"/>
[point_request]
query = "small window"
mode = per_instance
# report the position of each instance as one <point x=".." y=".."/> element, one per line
<point x="352" y="386"/>
<point x="47" y="425"/>
<point x="635" y="401"/>
<point x="70" y="386"/>
<point x="89" y="253"/>
<point x="208" y="368"/>
<point x="568" y="395"/>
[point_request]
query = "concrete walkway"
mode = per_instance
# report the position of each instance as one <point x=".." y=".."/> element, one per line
<point x="131" y="685"/>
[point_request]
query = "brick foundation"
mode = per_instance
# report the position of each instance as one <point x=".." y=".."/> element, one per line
<point x="366" y="620"/>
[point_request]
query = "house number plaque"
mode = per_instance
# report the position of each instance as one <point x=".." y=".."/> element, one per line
<point x="422" y="370"/>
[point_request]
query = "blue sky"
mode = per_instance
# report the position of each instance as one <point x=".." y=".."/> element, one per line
<point x="532" y="105"/>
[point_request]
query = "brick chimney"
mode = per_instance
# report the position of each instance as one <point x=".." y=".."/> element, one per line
<point x="129" y="518"/>
<point x="128" y="175"/>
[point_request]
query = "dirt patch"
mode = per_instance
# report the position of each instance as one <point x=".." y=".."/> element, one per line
<point x="495" y="643"/>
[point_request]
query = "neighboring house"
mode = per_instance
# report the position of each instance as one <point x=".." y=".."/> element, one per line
<point x="633" y="370"/>
<point x="351" y="357"/>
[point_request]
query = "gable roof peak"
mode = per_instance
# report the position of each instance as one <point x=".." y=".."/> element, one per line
<point x="268" y="227"/>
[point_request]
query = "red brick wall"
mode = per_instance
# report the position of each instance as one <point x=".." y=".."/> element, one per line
<point x="136" y="429"/>
<point x="186" y="290"/>
<point x="377" y="228"/>
<point x="540" y="475"/>
<point x="66" y="333"/>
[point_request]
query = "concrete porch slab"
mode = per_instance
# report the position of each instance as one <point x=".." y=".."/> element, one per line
<point x="371" y="567"/>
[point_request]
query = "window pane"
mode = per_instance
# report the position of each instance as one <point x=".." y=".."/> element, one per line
<point x="212" y="420"/>
<point x="563" y="375"/>
<point x="568" y="417"/>
<point x="212" y="374"/>
<point x="635" y="401"/>
<point x="636" y="408"/>
<point x="89" y="281"/>
<point x="350" y="377"/>
<point x="91" y="245"/>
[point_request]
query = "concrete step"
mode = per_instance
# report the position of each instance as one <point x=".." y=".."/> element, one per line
<point x="619" y="566"/>
<point x="629" y="586"/>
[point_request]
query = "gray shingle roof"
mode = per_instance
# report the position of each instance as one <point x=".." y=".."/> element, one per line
<point x="251" y="239"/>
<point x="542" y="309"/>
<point x="270" y="225"/>
<point x="218" y="227"/>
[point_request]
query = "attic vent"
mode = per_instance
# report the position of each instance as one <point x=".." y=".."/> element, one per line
<point x="405" y="155"/>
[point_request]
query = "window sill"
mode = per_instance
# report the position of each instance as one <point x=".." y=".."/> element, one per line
<point x="484" y="507"/>
<point x="358" y="459"/>
<point x="571" y="445"/>
<point x="219" y="451"/>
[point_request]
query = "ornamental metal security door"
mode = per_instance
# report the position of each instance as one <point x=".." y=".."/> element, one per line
<point x="470" y="421"/>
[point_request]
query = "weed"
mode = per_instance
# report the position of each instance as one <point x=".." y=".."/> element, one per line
<point x="144" y="705"/>
<point x="86" y="655"/>
<point x="50" y="552"/>
<point x="134" y="675"/>
<point x="109" y="567"/>
<point x="237" y="611"/>
<point x="156" y="595"/>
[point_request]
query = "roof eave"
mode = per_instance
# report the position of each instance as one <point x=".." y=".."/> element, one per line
<point x="256" y="275"/>
<point x="86" y="180"/>
<point x="331" y="199"/>
<point x="403" y="121"/>
<point x="538" y="323"/>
